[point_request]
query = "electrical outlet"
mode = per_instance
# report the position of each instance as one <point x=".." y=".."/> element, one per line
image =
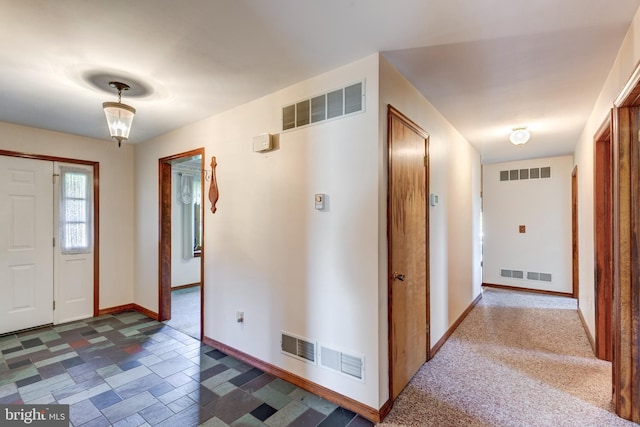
<point x="240" y="316"/>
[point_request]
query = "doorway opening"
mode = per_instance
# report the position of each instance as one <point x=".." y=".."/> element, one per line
<point x="181" y="270"/>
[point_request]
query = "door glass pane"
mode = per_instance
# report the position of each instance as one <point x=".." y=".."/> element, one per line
<point x="75" y="210"/>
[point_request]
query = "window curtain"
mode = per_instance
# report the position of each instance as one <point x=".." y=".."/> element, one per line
<point x="186" y="198"/>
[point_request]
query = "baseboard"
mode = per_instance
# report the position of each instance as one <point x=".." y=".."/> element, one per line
<point x="128" y="307"/>
<point x="586" y="330"/>
<point x="453" y="327"/>
<point x="337" y="398"/>
<point x="190" y="285"/>
<point x="535" y="291"/>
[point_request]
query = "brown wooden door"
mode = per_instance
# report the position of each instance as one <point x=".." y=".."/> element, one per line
<point x="408" y="254"/>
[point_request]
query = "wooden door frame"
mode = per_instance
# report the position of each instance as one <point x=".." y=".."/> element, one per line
<point x="626" y="250"/>
<point x="96" y="212"/>
<point x="603" y="234"/>
<point x="164" y="233"/>
<point x="574" y="235"/>
<point x="394" y="113"/>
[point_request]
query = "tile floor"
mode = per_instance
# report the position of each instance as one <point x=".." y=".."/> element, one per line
<point x="128" y="370"/>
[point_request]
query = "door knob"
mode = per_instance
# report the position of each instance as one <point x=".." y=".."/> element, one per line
<point x="398" y="276"/>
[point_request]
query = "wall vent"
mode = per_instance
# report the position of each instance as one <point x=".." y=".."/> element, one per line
<point x="525" y="174"/>
<point x="300" y="348"/>
<point x="515" y="274"/>
<point x="331" y="105"/>
<point x="346" y="364"/>
<point x="541" y="277"/>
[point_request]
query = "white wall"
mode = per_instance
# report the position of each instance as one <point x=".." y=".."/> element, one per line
<point x="116" y="198"/>
<point x="454" y="225"/>
<point x="268" y="252"/>
<point x="626" y="61"/>
<point x="183" y="271"/>
<point x="543" y="206"/>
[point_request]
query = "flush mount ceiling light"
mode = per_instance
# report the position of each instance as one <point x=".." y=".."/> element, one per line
<point x="519" y="136"/>
<point x="119" y="115"/>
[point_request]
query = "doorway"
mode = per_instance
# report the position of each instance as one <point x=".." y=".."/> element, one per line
<point x="408" y="237"/>
<point x="45" y="198"/>
<point x="182" y="241"/>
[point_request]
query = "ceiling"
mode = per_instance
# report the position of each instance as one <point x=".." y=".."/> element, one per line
<point x="486" y="65"/>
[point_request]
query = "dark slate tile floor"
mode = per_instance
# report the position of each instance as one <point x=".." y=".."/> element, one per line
<point x="128" y="370"/>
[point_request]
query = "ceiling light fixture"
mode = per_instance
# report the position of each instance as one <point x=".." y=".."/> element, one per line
<point x="119" y="115"/>
<point x="519" y="136"/>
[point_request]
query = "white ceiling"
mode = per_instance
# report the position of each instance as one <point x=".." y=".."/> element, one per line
<point x="486" y="65"/>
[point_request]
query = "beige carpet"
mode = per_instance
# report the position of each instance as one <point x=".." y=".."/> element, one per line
<point x="518" y="359"/>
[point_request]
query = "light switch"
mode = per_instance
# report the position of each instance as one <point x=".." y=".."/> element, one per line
<point x="319" y="201"/>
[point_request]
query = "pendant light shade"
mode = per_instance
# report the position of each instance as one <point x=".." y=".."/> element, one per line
<point x="119" y="116"/>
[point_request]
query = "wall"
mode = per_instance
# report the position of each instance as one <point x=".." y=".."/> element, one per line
<point x="183" y="271"/>
<point x="268" y="252"/>
<point x="116" y="198"/>
<point x="454" y="239"/>
<point x="623" y="67"/>
<point x="543" y="206"/>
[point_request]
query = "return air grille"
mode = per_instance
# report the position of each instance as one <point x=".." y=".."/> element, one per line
<point x="347" y="364"/>
<point x="525" y="174"/>
<point x="299" y="348"/>
<point x="337" y="103"/>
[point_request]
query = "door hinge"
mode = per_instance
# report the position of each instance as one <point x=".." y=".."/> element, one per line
<point x="54" y="242"/>
<point x="54" y="177"/>
<point x="426" y="160"/>
<point x="427" y="329"/>
<point x="54" y="305"/>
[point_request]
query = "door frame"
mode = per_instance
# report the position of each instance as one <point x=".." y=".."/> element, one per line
<point x="626" y="250"/>
<point x="394" y="113"/>
<point x="96" y="212"/>
<point x="603" y="234"/>
<point x="164" y="231"/>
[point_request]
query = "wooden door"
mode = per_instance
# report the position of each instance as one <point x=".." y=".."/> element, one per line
<point x="408" y="253"/>
<point x="26" y="243"/>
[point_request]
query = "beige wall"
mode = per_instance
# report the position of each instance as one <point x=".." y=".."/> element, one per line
<point x="116" y="198"/>
<point x="543" y="206"/>
<point x="626" y="61"/>
<point x="454" y="239"/>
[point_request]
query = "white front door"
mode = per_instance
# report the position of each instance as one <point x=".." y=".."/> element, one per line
<point x="73" y="253"/>
<point x="26" y="241"/>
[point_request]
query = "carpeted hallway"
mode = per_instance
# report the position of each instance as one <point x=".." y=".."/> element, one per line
<point x="518" y="359"/>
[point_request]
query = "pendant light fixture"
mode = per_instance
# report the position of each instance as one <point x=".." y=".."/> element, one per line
<point x="519" y="136"/>
<point x="119" y="115"/>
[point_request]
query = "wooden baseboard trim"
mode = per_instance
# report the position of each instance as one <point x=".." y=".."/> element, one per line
<point x="535" y="291"/>
<point x="337" y="398"/>
<point x="455" y="325"/>
<point x="586" y="330"/>
<point x="190" y="285"/>
<point x="128" y="307"/>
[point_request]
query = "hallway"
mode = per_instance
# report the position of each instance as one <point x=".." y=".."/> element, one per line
<point x="517" y="359"/>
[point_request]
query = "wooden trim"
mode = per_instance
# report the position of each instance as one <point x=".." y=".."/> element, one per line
<point x="330" y="395"/>
<point x="587" y="331"/>
<point x="128" y="307"/>
<point x="630" y="94"/>
<point x="190" y="285"/>
<point x="535" y="291"/>
<point x="96" y="211"/>
<point x="164" y="233"/>
<point x="455" y="325"/>
<point x="575" y="246"/>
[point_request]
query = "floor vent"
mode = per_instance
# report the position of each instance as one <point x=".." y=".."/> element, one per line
<point x="297" y="347"/>
<point x="346" y="364"/>
<point x="525" y="174"/>
<point x="331" y="105"/>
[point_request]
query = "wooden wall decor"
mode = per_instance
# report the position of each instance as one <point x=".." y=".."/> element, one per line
<point x="213" y="187"/>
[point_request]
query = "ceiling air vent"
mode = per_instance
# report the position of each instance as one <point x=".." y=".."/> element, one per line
<point x="297" y="347"/>
<point x="331" y="105"/>
<point x="346" y="364"/>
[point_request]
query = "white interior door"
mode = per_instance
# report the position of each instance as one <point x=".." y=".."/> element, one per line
<point x="74" y="248"/>
<point x="26" y="234"/>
